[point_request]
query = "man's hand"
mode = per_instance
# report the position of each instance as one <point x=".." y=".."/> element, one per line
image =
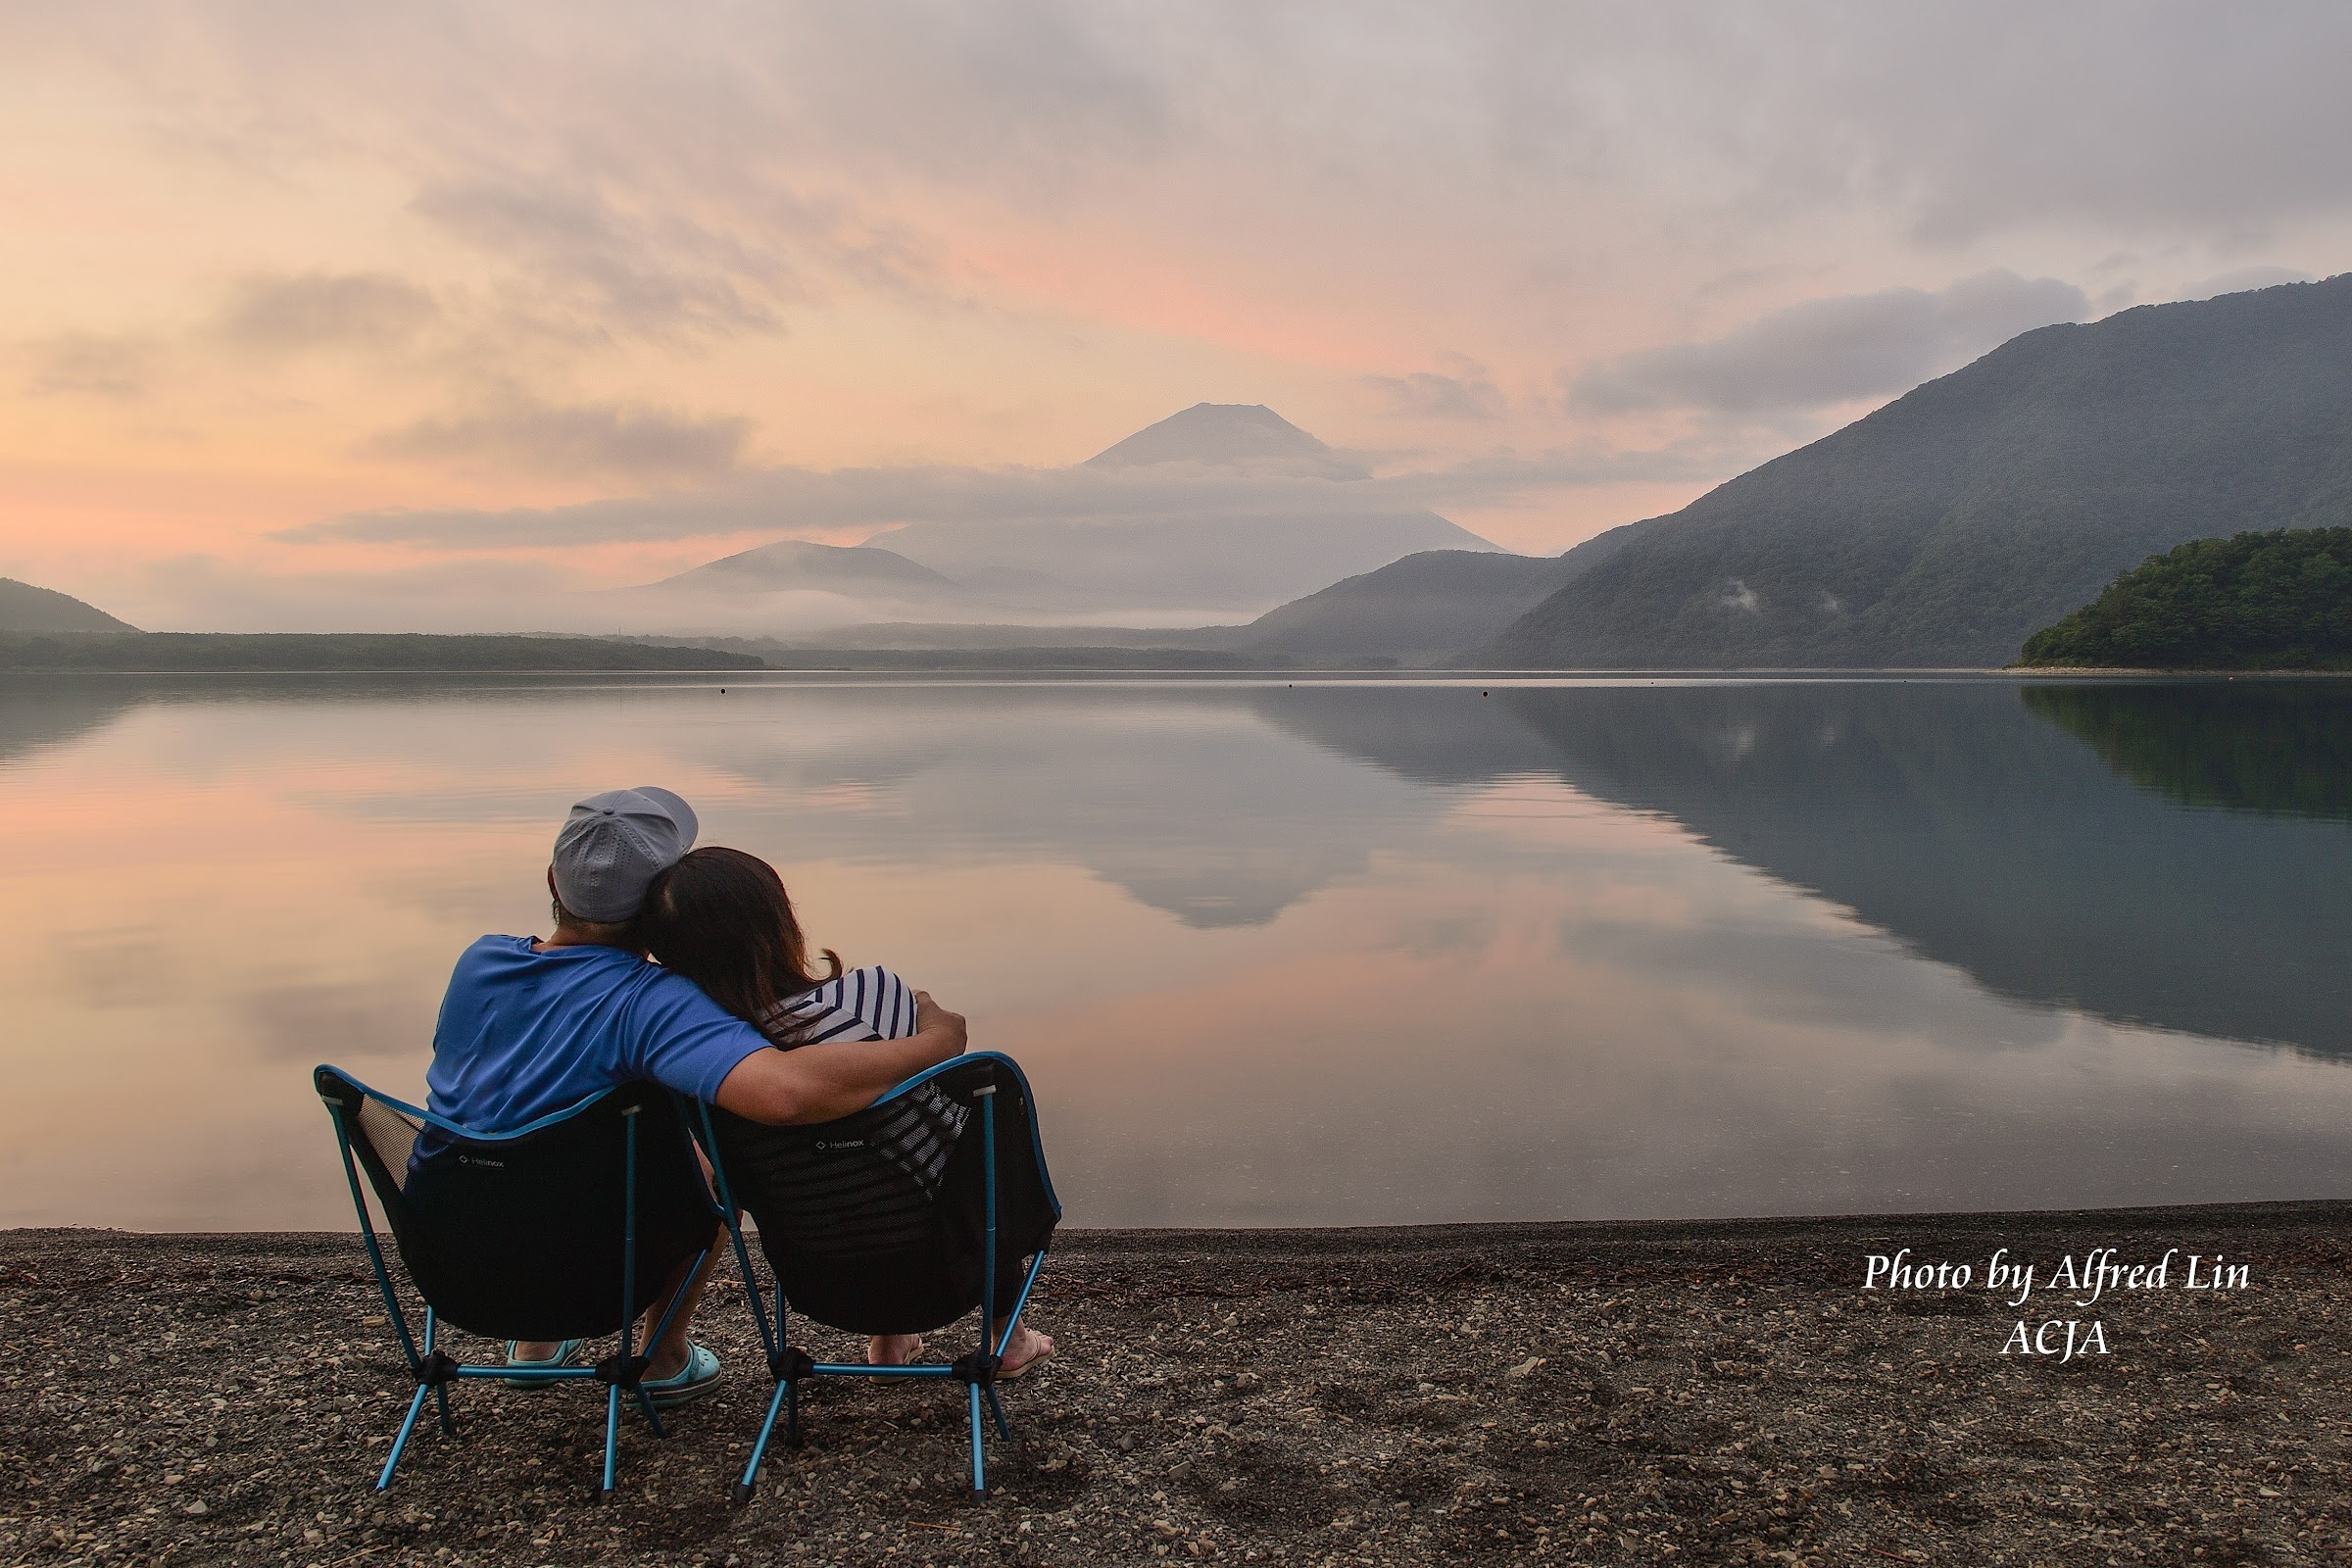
<point x="930" y="1015"/>
<point x="822" y="1083"/>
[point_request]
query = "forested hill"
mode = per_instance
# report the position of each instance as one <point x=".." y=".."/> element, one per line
<point x="1945" y="527"/>
<point x="37" y="610"/>
<point x="1423" y="607"/>
<point x="2255" y="601"/>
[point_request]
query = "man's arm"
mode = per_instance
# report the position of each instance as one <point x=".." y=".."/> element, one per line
<point x="819" y="1083"/>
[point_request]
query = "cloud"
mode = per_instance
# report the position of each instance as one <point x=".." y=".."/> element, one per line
<point x="651" y="272"/>
<point x="1948" y="122"/>
<point x="1467" y="393"/>
<point x="325" y="309"/>
<point x="707" y="171"/>
<point x="2176" y="118"/>
<point x="1504" y="479"/>
<point x="677" y="255"/>
<point x="560" y="593"/>
<point x="637" y="133"/>
<point x="1829" y="351"/>
<point x="793" y="500"/>
<point x="207" y="593"/>
<point x="116" y="368"/>
<point x="599" y="439"/>
<point x="1112" y="198"/>
<point x="804" y="501"/>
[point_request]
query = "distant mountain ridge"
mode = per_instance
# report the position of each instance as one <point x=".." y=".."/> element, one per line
<point x="44" y="611"/>
<point x="791" y="565"/>
<point x="1419" y="611"/>
<point x="1945" y="527"/>
<point x="1223" y="510"/>
<point x="1221" y="550"/>
<point x="1241" y="560"/>
<point x="1425" y="608"/>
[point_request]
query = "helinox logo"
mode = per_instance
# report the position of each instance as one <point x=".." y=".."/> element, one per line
<point x="829" y="1145"/>
<point x="476" y="1160"/>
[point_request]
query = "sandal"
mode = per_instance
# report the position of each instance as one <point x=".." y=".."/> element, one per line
<point x="1008" y="1374"/>
<point x="697" y="1377"/>
<point x="565" y="1351"/>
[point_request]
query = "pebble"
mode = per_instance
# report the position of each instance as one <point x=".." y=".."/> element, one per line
<point x="1130" y="1451"/>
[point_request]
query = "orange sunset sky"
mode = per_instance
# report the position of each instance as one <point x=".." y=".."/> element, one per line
<point x="1552" y="267"/>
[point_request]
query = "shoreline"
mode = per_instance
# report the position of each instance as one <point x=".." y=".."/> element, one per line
<point x="864" y="665"/>
<point x="1602" y="1392"/>
<point x="2221" y="673"/>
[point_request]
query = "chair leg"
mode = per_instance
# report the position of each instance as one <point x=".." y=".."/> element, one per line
<point x="604" y="1494"/>
<point x="996" y="1408"/>
<point x="750" y="1470"/>
<point x="400" y="1443"/>
<point x="432" y="1344"/>
<point x="979" y="1466"/>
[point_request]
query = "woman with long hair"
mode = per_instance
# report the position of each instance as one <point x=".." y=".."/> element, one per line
<point x="721" y="918"/>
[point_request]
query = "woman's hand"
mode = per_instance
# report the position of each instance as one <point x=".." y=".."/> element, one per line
<point x="930" y="1015"/>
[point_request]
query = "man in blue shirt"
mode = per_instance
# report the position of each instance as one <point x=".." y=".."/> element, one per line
<point x="531" y="1026"/>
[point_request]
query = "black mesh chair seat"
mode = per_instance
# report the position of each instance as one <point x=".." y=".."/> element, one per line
<point x="562" y="1230"/>
<point x="930" y="1203"/>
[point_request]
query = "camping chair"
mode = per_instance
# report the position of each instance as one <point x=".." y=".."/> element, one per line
<point x="554" y="1231"/>
<point x="898" y="1219"/>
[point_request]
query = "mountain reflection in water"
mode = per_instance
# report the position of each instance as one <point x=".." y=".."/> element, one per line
<point x="1977" y="829"/>
<point x="2282" y="748"/>
<point x="1313" y="952"/>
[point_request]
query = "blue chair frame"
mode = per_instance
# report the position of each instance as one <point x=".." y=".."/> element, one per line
<point x="977" y="1371"/>
<point x="432" y="1368"/>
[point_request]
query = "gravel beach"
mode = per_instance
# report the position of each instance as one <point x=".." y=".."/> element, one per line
<point x="1637" y="1393"/>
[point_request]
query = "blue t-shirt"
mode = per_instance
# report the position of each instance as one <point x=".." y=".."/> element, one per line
<point x="524" y="1034"/>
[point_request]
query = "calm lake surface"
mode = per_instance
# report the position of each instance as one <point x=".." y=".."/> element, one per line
<point x="1336" y="952"/>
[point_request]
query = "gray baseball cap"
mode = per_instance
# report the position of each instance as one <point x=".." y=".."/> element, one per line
<point x="615" y="844"/>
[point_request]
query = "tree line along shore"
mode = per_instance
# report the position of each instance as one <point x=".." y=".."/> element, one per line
<point x="2275" y="602"/>
<point x="223" y="652"/>
<point x="291" y="652"/>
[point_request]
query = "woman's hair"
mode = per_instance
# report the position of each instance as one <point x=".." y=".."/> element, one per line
<point x="722" y="919"/>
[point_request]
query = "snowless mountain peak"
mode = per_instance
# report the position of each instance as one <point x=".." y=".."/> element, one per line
<point x="1228" y="435"/>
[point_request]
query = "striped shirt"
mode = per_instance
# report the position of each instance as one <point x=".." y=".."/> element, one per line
<point x="918" y="1131"/>
<point x="862" y="1005"/>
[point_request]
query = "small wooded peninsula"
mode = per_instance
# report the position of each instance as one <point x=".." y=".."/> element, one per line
<point x="2274" y="600"/>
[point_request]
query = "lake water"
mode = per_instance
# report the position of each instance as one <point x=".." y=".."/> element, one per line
<point x="1337" y="953"/>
